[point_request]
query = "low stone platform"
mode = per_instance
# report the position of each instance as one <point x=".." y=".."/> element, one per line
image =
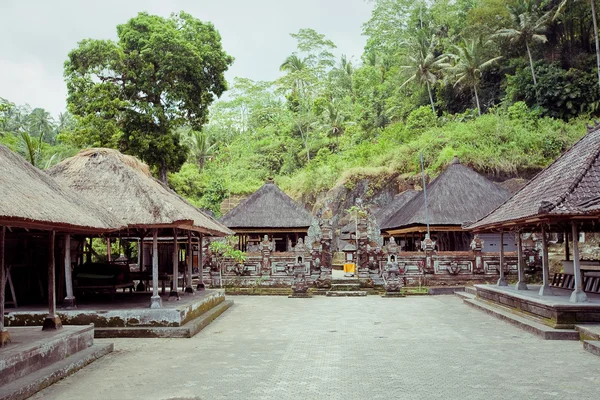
<point x="592" y="346"/>
<point x="345" y="293"/>
<point x="555" y="311"/>
<point x="129" y="315"/>
<point x="521" y="321"/>
<point x="35" y="359"/>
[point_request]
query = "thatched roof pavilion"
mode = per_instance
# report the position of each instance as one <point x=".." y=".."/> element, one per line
<point x="31" y="199"/>
<point x="268" y="211"/>
<point x="457" y="195"/>
<point x="124" y="186"/>
<point x="563" y="197"/>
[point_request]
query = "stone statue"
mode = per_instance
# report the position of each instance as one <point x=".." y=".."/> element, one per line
<point x="393" y="280"/>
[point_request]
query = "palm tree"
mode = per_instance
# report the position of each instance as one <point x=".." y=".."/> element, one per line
<point x="32" y="147"/>
<point x="40" y="121"/>
<point x="471" y="61"/>
<point x="200" y="147"/>
<point x="294" y="65"/>
<point x="529" y="28"/>
<point x="424" y="64"/>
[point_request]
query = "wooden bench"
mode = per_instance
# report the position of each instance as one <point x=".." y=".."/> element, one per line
<point x="591" y="284"/>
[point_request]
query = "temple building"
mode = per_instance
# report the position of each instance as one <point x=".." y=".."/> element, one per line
<point x="457" y="196"/>
<point x="268" y="212"/>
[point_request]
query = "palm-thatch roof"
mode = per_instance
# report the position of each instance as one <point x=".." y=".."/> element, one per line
<point x="569" y="187"/>
<point x="123" y="185"/>
<point x="457" y="195"/>
<point x="268" y="207"/>
<point x="29" y="198"/>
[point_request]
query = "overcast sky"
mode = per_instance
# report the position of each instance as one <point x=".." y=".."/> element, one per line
<point x="37" y="35"/>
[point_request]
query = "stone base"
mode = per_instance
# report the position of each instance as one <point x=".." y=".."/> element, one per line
<point x="69" y="303"/>
<point x="140" y="287"/>
<point x="174" y="296"/>
<point x="502" y="282"/>
<point x="521" y="286"/>
<point x="304" y="295"/>
<point x="52" y="322"/>
<point x="4" y="338"/>
<point x="189" y="290"/>
<point x="155" y="302"/>
<point x="393" y="294"/>
<point x="545" y="290"/>
<point x="578" y="296"/>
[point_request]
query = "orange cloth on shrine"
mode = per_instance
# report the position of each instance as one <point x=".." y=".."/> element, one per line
<point x="349" y="268"/>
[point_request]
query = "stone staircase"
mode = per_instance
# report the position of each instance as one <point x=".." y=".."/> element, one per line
<point x="345" y="288"/>
<point x="35" y="360"/>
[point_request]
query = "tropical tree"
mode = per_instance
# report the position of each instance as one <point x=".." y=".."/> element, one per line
<point x="470" y="62"/>
<point x="134" y="93"/>
<point x="200" y="147"/>
<point x="530" y="24"/>
<point x="424" y="64"/>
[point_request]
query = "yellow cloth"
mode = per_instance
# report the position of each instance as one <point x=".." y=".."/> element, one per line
<point x="349" y="268"/>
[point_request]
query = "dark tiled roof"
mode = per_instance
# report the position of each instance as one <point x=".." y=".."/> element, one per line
<point x="456" y="196"/>
<point x="569" y="186"/>
<point x="268" y="207"/>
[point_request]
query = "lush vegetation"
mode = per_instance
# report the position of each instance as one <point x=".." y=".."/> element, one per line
<point x="505" y="85"/>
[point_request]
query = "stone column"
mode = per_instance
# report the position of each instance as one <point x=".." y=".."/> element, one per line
<point x="578" y="295"/>
<point x="545" y="290"/>
<point x="52" y="321"/>
<point x="501" y="279"/>
<point x="4" y="335"/>
<point x="521" y="285"/>
<point x="69" y="301"/>
<point x="200" y="263"/>
<point x="174" y="294"/>
<point x="155" y="300"/>
<point x="141" y="287"/>
<point x="190" y="260"/>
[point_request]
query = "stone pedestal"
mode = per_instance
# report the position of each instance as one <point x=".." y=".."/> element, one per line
<point x="155" y="302"/>
<point x="69" y="303"/>
<point x="52" y="322"/>
<point x="299" y="283"/>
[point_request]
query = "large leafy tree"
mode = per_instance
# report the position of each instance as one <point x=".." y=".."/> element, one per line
<point x="132" y="94"/>
<point x="470" y="62"/>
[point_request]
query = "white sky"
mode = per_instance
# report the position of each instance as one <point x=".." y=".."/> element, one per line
<point x="37" y="35"/>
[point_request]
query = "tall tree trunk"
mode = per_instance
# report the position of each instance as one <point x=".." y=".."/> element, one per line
<point x="531" y="64"/>
<point x="477" y="99"/>
<point x="430" y="97"/>
<point x="163" y="171"/>
<point x="596" y="37"/>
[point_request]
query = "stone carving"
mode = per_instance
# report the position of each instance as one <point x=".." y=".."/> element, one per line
<point x="453" y="268"/>
<point x="477" y="247"/>
<point x="266" y="248"/>
<point x="428" y="246"/>
<point x="393" y="282"/>
<point x="299" y="283"/>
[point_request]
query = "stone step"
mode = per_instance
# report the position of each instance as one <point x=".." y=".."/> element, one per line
<point x="346" y="286"/>
<point x="537" y="328"/>
<point x="471" y="290"/>
<point x="465" y="295"/>
<point x="28" y="385"/>
<point x="32" y="349"/>
<point x="346" y="293"/>
<point x="592" y="346"/>
<point x="588" y="331"/>
<point x="346" y="281"/>
<point x="441" y="290"/>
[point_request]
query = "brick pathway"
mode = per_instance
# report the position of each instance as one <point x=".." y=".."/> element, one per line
<point x="341" y="348"/>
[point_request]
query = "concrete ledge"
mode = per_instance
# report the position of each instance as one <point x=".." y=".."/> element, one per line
<point x="592" y="346"/>
<point x="346" y="293"/>
<point x="434" y="291"/>
<point x="528" y="325"/>
<point x="589" y="332"/>
<point x="30" y="384"/>
<point x="186" y="331"/>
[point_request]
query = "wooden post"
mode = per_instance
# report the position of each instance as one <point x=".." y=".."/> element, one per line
<point x="545" y="289"/>
<point x="88" y="255"/>
<point x="521" y="285"/>
<point x="4" y="335"/>
<point x="502" y="279"/>
<point x="155" y="300"/>
<point x="141" y="287"/>
<point x="578" y="295"/>
<point x="190" y="260"/>
<point x="52" y="321"/>
<point x="174" y="294"/>
<point x="108" y="250"/>
<point x="200" y="264"/>
<point x="69" y="301"/>
<point x="567" y="255"/>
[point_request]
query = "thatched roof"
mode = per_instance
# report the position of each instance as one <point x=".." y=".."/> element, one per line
<point x="123" y="185"/>
<point x="570" y="186"/>
<point x="268" y="207"/>
<point x="456" y="196"/>
<point x="31" y="199"/>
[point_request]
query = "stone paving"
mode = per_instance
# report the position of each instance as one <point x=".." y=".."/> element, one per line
<point x="341" y="348"/>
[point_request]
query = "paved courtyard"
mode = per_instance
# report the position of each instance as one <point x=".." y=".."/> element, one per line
<point x="341" y="348"/>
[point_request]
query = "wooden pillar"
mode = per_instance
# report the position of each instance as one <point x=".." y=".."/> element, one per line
<point x="174" y="295"/>
<point x="141" y="287"/>
<point x="4" y="335"/>
<point x="108" y="250"/>
<point x="578" y="295"/>
<point x="190" y="260"/>
<point x="52" y="321"/>
<point x="200" y="266"/>
<point x="502" y="279"/>
<point x="567" y="255"/>
<point x="155" y="300"/>
<point x="69" y="301"/>
<point x="88" y="255"/>
<point x="521" y="285"/>
<point x="545" y="289"/>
